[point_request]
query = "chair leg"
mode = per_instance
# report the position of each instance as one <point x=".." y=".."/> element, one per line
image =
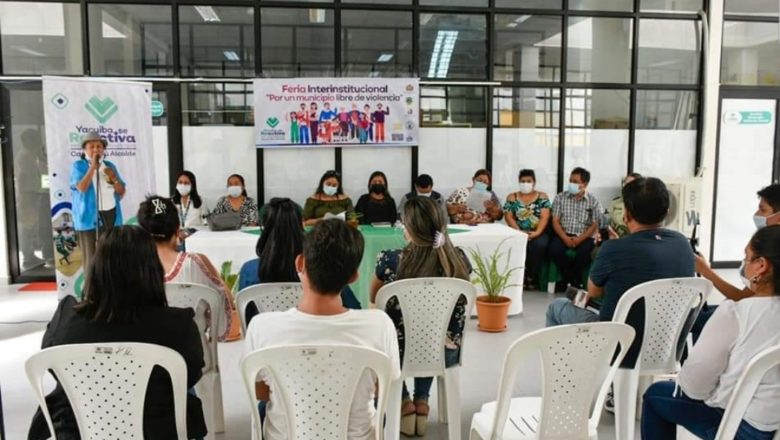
<point x="205" y="391"/>
<point x="393" y="414"/>
<point x="219" y="410"/>
<point x="452" y="397"/>
<point x="441" y="400"/>
<point x="626" y="384"/>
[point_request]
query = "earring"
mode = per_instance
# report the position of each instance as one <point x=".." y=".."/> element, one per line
<point x="754" y="280"/>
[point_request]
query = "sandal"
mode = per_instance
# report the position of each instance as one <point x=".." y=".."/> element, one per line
<point x="408" y="416"/>
<point x="421" y="421"/>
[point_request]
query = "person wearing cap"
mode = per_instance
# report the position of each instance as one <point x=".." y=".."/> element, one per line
<point x="94" y="208"/>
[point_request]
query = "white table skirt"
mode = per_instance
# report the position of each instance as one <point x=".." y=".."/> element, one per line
<point x="239" y="247"/>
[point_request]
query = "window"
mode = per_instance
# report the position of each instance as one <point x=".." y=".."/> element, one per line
<point x="665" y="136"/>
<point x="130" y="40"/>
<point x="602" y="5"/>
<point x="217" y="41"/>
<point x="750" y="53"/>
<point x="376" y="43"/>
<point x="599" y="50"/>
<point x="531" y="4"/>
<point x="474" y="3"/>
<point x="752" y="7"/>
<point x="687" y="6"/>
<point x="669" y="51"/>
<point x="217" y="104"/>
<point x="453" y="46"/>
<point x="453" y="106"/>
<point x="41" y="38"/>
<point x="297" y="42"/>
<point x="527" y="48"/>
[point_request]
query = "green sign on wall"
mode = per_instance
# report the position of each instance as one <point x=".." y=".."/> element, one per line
<point x="157" y="109"/>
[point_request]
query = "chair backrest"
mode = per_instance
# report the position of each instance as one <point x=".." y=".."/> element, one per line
<point x="427" y="305"/>
<point x="669" y="304"/>
<point x="577" y="369"/>
<point x="192" y="295"/>
<point x="268" y="297"/>
<point x="315" y="384"/>
<point x="745" y="390"/>
<point x="106" y="385"/>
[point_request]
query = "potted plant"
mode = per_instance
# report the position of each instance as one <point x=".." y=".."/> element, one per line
<point x="353" y="218"/>
<point x="492" y="307"/>
<point x="231" y="281"/>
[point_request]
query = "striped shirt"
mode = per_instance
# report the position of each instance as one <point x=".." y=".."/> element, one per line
<point x="576" y="214"/>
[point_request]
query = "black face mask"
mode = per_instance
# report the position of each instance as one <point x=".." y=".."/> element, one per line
<point x="378" y="188"/>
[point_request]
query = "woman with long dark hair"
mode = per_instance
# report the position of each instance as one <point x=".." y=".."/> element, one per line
<point x="328" y="198"/>
<point x="188" y="202"/>
<point x="429" y="253"/>
<point x="237" y="200"/>
<point x="280" y="242"/>
<point x="377" y="206"/>
<point x="124" y="301"/>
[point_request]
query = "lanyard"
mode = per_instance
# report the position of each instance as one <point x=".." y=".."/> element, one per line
<point x="183" y="213"/>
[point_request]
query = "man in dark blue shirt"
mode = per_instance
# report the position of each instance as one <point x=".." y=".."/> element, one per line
<point x="648" y="253"/>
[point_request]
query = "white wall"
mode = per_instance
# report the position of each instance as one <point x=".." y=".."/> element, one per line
<point x="160" y="156"/>
<point x="451" y="156"/>
<point x="666" y="154"/>
<point x="357" y="164"/>
<point x="518" y="148"/>
<point x="295" y="173"/>
<point x="603" y="152"/>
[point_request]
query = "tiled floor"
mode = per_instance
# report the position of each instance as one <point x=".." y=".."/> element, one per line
<point x="483" y="355"/>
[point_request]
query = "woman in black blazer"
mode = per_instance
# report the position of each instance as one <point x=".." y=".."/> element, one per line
<point x="124" y="301"/>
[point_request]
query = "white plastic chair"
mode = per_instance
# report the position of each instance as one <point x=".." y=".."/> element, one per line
<point x="315" y="384"/>
<point x="106" y="385"/>
<point x="209" y="387"/>
<point x="745" y="390"/>
<point x="427" y="305"/>
<point x="577" y="369"/>
<point x="268" y="297"/>
<point x="669" y="304"/>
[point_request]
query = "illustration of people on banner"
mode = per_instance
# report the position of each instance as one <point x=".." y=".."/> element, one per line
<point x="334" y="126"/>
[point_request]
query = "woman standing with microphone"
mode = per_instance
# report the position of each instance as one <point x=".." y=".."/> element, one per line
<point x="96" y="188"/>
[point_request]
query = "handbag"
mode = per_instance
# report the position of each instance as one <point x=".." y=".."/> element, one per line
<point x="224" y="221"/>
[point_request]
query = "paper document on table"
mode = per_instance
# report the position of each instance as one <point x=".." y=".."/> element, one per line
<point x="477" y="199"/>
<point x="341" y="215"/>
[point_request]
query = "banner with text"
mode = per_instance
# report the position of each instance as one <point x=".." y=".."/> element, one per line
<point x="311" y="112"/>
<point x="120" y="112"/>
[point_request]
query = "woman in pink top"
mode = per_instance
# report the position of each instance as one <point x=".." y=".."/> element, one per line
<point x="159" y="217"/>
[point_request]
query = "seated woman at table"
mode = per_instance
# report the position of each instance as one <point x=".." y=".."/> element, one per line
<point x="528" y="210"/>
<point x="377" y="206"/>
<point x="122" y="305"/>
<point x="328" y="199"/>
<point x="238" y="201"/>
<point x="458" y="207"/>
<point x="429" y="253"/>
<point x="188" y="202"/>
<point x="281" y="241"/>
<point x="732" y="337"/>
<point x="159" y="217"/>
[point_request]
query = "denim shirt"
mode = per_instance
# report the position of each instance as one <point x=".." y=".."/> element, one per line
<point x="85" y="203"/>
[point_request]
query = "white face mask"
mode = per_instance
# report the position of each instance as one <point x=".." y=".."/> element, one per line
<point x="330" y="190"/>
<point x="526" y="187"/>
<point x="183" y="189"/>
<point x="480" y="186"/>
<point x="419" y="194"/>
<point x="742" y="275"/>
<point x="234" y="191"/>
<point x="573" y="188"/>
<point x="760" y="221"/>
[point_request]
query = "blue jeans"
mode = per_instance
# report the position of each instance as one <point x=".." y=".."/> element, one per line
<point x="422" y="385"/>
<point x="562" y="312"/>
<point x="663" y="411"/>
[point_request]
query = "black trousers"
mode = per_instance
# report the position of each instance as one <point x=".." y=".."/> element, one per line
<point x="88" y="239"/>
<point x="571" y="269"/>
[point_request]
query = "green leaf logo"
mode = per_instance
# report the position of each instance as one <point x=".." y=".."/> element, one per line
<point x="101" y="109"/>
<point x="272" y="122"/>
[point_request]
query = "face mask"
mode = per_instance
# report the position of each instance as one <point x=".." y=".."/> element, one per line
<point x="742" y="275"/>
<point x="573" y="188"/>
<point x="760" y="221"/>
<point x="183" y="189"/>
<point x="419" y="194"/>
<point x="330" y="190"/>
<point x="235" y="191"/>
<point x="526" y="187"/>
<point x="480" y="186"/>
<point x="378" y="188"/>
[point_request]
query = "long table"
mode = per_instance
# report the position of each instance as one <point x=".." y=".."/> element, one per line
<point x="239" y="247"/>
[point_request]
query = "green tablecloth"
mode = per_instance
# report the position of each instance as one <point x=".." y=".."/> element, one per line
<point x="376" y="239"/>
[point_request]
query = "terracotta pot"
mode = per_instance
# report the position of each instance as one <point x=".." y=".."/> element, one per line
<point x="353" y="223"/>
<point x="235" y="327"/>
<point x="492" y="313"/>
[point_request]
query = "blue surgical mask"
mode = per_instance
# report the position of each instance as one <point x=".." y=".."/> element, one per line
<point x="330" y="190"/>
<point x="760" y="221"/>
<point x="573" y="188"/>
<point x="480" y="186"/>
<point x="742" y="275"/>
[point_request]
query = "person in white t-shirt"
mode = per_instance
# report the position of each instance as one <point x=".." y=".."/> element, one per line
<point x="331" y="255"/>
<point x="737" y="332"/>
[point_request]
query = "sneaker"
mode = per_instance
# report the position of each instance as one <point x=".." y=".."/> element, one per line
<point x="609" y="404"/>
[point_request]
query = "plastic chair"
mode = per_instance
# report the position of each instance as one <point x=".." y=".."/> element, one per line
<point x="578" y="363"/>
<point x="745" y="390"/>
<point x="427" y="305"/>
<point x="669" y="305"/>
<point x="106" y="385"/>
<point x="315" y="384"/>
<point x="268" y="297"/>
<point x="209" y="387"/>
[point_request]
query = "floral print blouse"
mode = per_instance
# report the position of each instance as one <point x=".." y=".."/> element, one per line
<point x="248" y="210"/>
<point x="528" y="215"/>
<point x="386" y="271"/>
<point x="461" y="196"/>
